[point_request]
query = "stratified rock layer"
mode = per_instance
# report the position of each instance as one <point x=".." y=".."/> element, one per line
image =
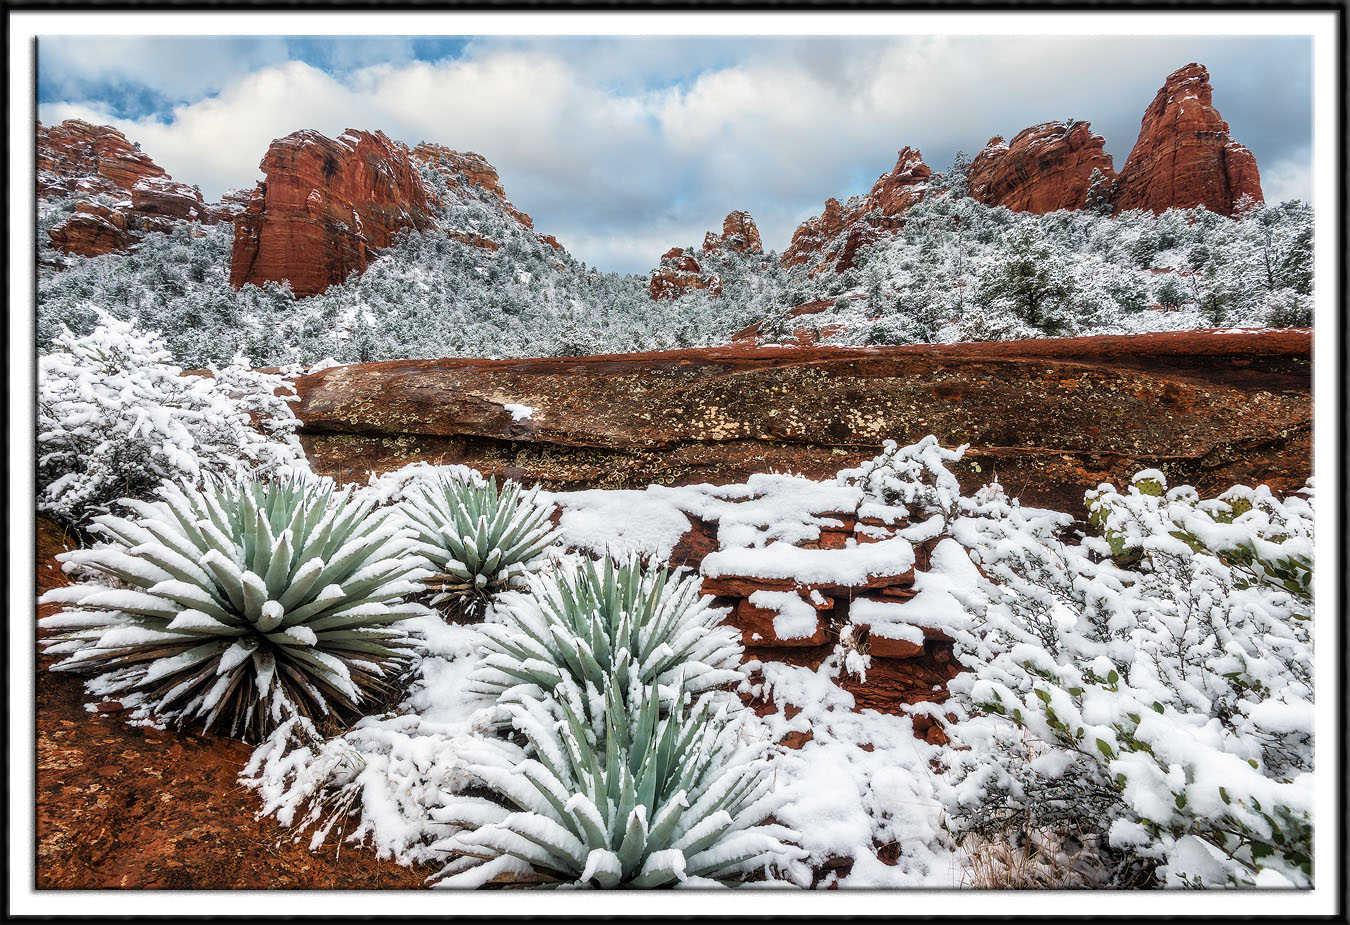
<point x="322" y="208"/>
<point x="1185" y="156"/>
<point x="1049" y="418"/>
<point x="1044" y="168"/>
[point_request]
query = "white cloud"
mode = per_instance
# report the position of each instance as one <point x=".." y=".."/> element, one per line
<point x="609" y="151"/>
<point x="1290" y="178"/>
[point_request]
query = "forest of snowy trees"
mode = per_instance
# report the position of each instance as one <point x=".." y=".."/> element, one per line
<point x="957" y="271"/>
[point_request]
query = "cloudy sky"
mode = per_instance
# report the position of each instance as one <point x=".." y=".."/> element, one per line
<point x="625" y="146"/>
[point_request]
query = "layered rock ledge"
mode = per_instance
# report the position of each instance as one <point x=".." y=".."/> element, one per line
<point x="1050" y="418"/>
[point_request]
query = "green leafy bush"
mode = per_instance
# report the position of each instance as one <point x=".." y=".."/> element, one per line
<point x="241" y="604"/>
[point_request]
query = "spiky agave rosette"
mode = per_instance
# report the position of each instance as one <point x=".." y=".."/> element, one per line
<point x="608" y="626"/>
<point x="478" y="537"/>
<point x="242" y="603"/>
<point x="647" y="800"/>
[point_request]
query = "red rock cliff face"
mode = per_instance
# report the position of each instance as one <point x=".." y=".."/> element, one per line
<point x="1051" y="417"/>
<point x="1045" y="168"/>
<point x="323" y="206"/>
<point x="816" y="240"/>
<point x="81" y="161"/>
<point x="1185" y="156"/>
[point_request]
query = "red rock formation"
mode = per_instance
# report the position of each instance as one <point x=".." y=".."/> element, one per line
<point x="83" y="161"/>
<point x="233" y="203"/>
<point x="1045" y="168"/>
<point x="680" y="272"/>
<point x="78" y="158"/>
<point x="739" y="234"/>
<point x="903" y="187"/>
<point x="1185" y="156"/>
<point x="816" y="240"/>
<point x="166" y="198"/>
<point x="93" y="230"/>
<point x="814" y="235"/>
<point x="464" y="168"/>
<point x="323" y="207"/>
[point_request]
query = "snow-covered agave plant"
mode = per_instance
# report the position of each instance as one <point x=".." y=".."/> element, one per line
<point x="646" y="800"/>
<point x="607" y="626"/>
<point x="477" y="536"/>
<point x="241" y="604"/>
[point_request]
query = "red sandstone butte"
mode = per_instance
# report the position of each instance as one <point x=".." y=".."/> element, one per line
<point x="1044" y="168"/>
<point x="1185" y="156"/>
<point x="323" y="207"/>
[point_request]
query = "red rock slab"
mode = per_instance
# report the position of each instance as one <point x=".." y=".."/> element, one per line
<point x="893" y="683"/>
<point x="810" y="308"/>
<point x="757" y="627"/>
<point x="1050" y="418"/>
<point x="93" y="230"/>
<point x="745" y="585"/>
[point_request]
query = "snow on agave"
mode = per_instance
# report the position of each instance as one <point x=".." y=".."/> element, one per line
<point x="632" y="801"/>
<point x="614" y="626"/>
<point x="478" y="537"/>
<point x="623" y="782"/>
<point x="242" y="603"/>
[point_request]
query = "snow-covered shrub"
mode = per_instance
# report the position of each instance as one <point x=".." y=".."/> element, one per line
<point x="242" y="604"/>
<point x="115" y="418"/>
<point x="1288" y="309"/>
<point x="1163" y="671"/>
<point x="649" y="799"/>
<point x="910" y="482"/>
<point x="477" y="537"/>
<point x="614" y="628"/>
